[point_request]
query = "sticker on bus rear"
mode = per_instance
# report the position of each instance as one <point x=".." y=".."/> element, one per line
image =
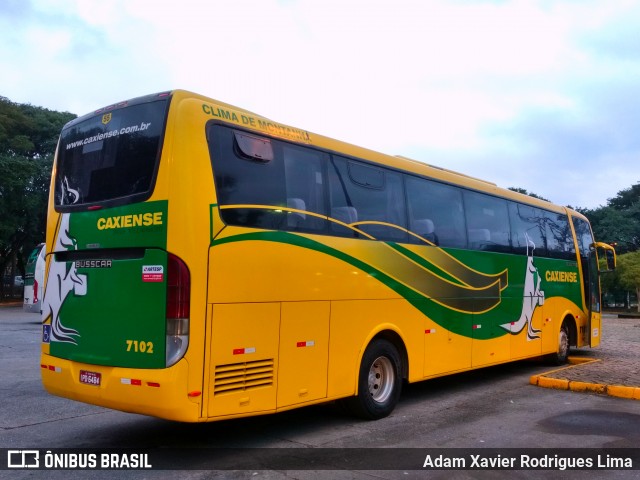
<point x="46" y="334"/>
<point x="152" y="273"/>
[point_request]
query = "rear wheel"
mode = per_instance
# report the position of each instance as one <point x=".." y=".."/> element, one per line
<point x="379" y="382"/>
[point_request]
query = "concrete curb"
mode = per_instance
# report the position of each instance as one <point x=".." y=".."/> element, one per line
<point x="621" y="391"/>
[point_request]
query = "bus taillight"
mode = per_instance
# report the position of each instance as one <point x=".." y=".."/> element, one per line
<point x="178" y="306"/>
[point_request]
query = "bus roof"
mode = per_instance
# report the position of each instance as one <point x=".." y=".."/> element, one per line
<point x="251" y="121"/>
<point x="257" y="123"/>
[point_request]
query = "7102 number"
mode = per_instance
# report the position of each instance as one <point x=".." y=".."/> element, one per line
<point x="139" y="346"/>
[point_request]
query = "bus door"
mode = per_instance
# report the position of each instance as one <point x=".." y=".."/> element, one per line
<point x="588" y="257"/>
<point x="594" y="321"/>
<point x="593" y="326"/>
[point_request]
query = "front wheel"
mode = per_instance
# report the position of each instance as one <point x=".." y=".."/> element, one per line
<point x="379" y="382"/>
<point x="562" y="355"/>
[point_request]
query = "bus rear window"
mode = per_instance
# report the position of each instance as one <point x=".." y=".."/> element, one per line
<point x="110" y="158"/>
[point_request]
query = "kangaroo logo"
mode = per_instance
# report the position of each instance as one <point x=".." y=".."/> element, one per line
<point x="533" y="297"/>
<point x="69" y="194"/>
<point x="62" y="280"/>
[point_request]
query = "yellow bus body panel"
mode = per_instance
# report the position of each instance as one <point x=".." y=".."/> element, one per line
<point x="119" y="388"/>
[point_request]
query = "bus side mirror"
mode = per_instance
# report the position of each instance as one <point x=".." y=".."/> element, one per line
<point x="611" y="260"/>
<point x="609" y="255"/>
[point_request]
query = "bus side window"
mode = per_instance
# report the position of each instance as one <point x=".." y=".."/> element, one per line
<point x="559" y="237"/>
<point x="487" y="222"/>
<point x="244" y="175"/>
<point x="275" y="185"/>
<point x="304" y="179"/>
<point x="435" y="213"/>
<point x="528" y="231"/>
<point x="254" y="147"/>
<point x="583" y="235"/>
<point x="369" y="196"/>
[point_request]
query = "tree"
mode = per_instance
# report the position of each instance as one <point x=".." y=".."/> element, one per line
<point x="28" y="131"/>
<point x="629" y="273"/>
<point x="626" y="199"/>
<point x="525" y="192"/>
<point x="619" y="221"/>
<point x="614" y="226"/>
<point x="21" y="208"/>
<point x="28" y="137"/>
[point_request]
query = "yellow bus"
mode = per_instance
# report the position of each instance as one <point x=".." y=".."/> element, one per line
<point x="205" y="263"/>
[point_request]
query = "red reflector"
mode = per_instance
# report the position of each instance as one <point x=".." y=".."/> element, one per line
<point x="52" y="368"/>
<point x="178" y="288"/>
<point x="136" y="382"/>
<point x="194" y="394"/>
<point x="94" y="207"/>
<point x="242" y="351"/>
<point x="43" y="366"/>
<point x="153" y="384"/>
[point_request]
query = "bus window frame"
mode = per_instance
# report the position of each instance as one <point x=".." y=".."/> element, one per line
<point x="329" y="158"/>
<point x="124" y="199"/>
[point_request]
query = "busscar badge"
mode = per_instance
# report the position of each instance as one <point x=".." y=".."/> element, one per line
<point x="106" y="118"/>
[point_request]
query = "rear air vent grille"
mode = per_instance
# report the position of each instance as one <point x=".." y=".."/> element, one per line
<point x="240" y="377"/>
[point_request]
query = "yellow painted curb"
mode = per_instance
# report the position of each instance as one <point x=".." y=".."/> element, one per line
<point x="576" y="386"/>
<point x="620" y="391"/>
<point x="556" y="383"/>
<point x="581" y="360"/>
<point x="573" y="361"/>
<point x="624" y="392"/>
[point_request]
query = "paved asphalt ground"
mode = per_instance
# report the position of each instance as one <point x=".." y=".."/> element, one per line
<point x="492" y="408"/>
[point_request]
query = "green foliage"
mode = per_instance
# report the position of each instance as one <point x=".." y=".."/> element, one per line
<point x="609" y="281"/>
<point x="525" y="192"/>
<point x="28" y="138"/>
<point x="628" y="272"/>
<point x="626" y="199"/>
<point x="28" y="131"/>
<point x="619" y="221"/>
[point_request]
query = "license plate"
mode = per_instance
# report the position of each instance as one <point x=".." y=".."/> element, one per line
<point x="90" y="378"/>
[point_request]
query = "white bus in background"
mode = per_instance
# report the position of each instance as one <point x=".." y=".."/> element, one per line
<point x="34" y="280"/>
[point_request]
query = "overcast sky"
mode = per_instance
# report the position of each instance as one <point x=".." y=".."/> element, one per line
<point x="542" y="95"/>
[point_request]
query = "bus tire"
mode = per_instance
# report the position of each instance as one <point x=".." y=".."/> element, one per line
<point x="379" y="381"/>
<point x="562" y="354"/>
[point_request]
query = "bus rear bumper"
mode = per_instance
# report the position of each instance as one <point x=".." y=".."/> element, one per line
<point x="160" y="393"/>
